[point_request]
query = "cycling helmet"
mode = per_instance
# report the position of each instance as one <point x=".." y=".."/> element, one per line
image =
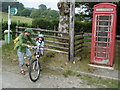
<point x="41" y="35"/>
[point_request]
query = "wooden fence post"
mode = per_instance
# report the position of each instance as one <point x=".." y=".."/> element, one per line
<point x="16" y="31"/>
<point x="54" y="30"/>
<point x="71" y="30"/>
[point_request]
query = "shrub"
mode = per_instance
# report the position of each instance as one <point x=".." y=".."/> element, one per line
<point x="12" y="27"/>
<point x="83" y="26"/>
<point x="45" y="23"/>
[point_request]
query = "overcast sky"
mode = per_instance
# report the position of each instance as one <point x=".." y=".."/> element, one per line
<point x="35" y="3"/>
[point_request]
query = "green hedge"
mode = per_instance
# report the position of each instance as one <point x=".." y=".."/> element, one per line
<point x="44" y="23"/>
<point x="47" y="24"/>
<point x="12" y="27"/>
<point x="83" y="26"/>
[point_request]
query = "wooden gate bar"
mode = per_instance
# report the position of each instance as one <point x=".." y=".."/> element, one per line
<point x="56" y="42"/>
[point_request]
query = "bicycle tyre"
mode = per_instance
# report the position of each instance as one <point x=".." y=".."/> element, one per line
<point x="30" y="70"/>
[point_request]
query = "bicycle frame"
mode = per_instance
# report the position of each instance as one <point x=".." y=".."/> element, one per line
<point x="36" y="54"/>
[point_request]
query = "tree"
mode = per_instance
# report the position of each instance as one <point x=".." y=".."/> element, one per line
<point x="49" y="14"/>
<point x="41" y="23"/>
<point x="35" y="13"/>
<point x="42" y="7"/>
<point x="12" y="4"/>
<point x="25" y="12"/>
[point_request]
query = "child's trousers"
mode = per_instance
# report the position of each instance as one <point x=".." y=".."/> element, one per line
<point x="21" y="56"/>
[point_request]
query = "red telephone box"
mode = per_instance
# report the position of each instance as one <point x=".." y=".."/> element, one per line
<point x="103" y="34"/>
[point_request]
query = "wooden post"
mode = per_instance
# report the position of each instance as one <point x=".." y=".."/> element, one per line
<point x="18" y="22"/>
<point x="63" y="17"/>
<point x="71" y="30"/>
<point x="16" y="31"/>
<point x="2" y="20"/>
<point x="54" y="30"/>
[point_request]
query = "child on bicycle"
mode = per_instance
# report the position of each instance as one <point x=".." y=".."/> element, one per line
<point x="40" y="43"/>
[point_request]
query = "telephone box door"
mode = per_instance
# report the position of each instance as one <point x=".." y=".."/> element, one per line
<point x="103" y="38"/>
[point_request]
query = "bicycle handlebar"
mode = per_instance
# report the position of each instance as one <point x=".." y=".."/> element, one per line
<point x="36" y="47"/>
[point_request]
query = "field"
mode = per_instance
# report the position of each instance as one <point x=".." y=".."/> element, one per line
<point x="16" y="18"/>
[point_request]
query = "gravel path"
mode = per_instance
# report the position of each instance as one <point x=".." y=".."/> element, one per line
<point x="12" y="79"/>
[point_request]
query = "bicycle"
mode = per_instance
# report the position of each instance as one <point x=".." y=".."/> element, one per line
<point x="35" y="68"/>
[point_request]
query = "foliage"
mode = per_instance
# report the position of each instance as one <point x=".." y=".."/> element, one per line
<point x="35" y="13"/>
<point x="21" y="10"/>
<point x="8" y="54"/>
<point x="44" y="23"/>
<point x="45" y="13"/>
<point x="88" y="7"/>
<point x="12" y="4"/>
<point x="25" y="12"/>
<point x="42" y="7"/>
<point x="83" y="26"/>
<point x="12" y="27"/>
<point x="38" y="13"/>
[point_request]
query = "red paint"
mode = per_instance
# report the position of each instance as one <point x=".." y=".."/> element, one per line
<point x="103" y="34"/>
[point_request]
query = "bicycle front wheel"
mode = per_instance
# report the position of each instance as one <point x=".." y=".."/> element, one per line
<point x="34" y="70"/>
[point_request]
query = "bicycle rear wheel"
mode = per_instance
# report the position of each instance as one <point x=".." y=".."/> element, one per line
<point x="34" y="70"/>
